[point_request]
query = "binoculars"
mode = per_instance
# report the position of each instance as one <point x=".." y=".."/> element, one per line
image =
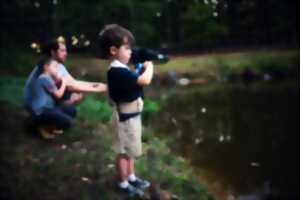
<point x="140" y="55"/>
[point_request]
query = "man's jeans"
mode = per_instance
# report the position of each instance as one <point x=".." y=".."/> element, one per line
<point x="60" y="117"/>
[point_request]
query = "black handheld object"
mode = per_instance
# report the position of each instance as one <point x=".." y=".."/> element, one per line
<point x="140" y="55"/>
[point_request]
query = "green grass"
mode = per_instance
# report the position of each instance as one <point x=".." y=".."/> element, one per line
<point x="94" y="109"/>
<point x="214" y="64"/>
<point x="81" y="160"/>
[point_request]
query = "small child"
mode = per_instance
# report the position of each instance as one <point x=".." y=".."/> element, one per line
<point x="125" y="89"/>
<point x="46" y="115"/>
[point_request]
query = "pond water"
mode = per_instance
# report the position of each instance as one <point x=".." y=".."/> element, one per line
<point x="242" y="140"/>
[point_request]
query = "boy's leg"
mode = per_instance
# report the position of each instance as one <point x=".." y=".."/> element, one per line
<point x="122" y="167"/>
<point x="130" y="166"/>
<point x="133" y="180"/>
<point x="131" y="173"/>
<point x="122" y="158"/>
<point x="133" y="141"/>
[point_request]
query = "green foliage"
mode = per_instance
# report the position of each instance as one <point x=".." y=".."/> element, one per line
<point x="131" y="14"/>
<point x="17" y="61"/>
<point x="94" y="109"/>
<point x="201" y="28"/>
<point x="150" y="108"/>
<point x="11" y="89"/>
<point x="168" y="23"/>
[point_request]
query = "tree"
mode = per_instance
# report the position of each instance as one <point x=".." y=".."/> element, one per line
<point x="201" y="26"/>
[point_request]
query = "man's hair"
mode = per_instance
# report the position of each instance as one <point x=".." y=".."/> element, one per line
<point x="114" y="35"/>
<point x="49" y="46"/>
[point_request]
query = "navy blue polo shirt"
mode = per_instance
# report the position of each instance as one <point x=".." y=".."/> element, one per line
<point x="122" y="86"/>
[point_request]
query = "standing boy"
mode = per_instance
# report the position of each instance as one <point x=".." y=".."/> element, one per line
<point x="125" y="89"/>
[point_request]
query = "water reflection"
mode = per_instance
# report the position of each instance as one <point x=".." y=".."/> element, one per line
<point x="242" y="140"/>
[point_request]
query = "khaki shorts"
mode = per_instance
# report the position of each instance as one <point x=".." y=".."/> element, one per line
<point x="127" y="135"/>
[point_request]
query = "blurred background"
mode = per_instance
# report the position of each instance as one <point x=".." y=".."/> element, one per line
<point x="174" y="25"/>
<point x="221" y="117"/>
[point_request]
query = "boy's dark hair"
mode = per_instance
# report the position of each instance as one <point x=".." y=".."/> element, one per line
<point x="114" y="35"/>
<point x="51" y="45"/>
<point x="44" y="61"/>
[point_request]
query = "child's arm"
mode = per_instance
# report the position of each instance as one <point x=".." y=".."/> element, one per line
<point x="60" y="92"/>
<point x="146" y="77"/>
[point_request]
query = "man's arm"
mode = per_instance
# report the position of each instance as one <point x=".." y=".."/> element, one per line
<point x="84" y="86"/>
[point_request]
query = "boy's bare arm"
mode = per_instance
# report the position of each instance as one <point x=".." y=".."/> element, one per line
<point x="146" y="77"/>
<point x="60" y="92"/>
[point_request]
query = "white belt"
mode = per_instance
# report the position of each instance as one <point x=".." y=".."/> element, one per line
<point x="131" y="107"/>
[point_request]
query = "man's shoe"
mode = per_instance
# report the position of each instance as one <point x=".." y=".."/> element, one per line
<point x="58" y="131"/>
<point x="140" y="183"/>
<point x="46" y="133"/>
<point x="131" y="191"/>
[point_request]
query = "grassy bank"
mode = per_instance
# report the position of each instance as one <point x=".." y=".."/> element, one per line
<point x="80" y="163"/>
<point x="233" y="60"/>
